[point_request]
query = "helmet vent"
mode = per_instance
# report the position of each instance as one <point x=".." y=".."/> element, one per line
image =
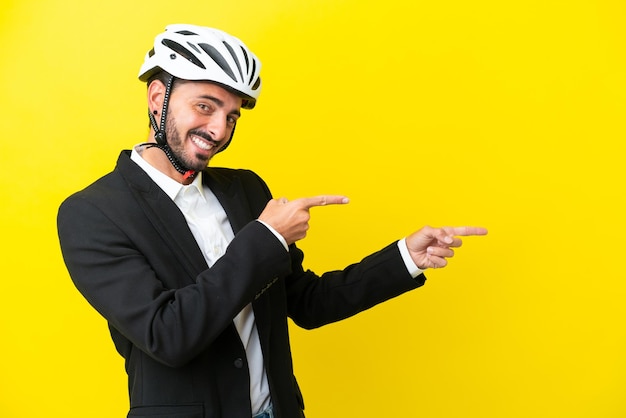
<point x="186" y="32"/>
<point x="183" y="52"/>
<point x="195" y="48"/>
<point x="253" y="72"/>
<point x="245" y="55"/>
<point x="219" y="59"/>
<point x="232" y="53"/>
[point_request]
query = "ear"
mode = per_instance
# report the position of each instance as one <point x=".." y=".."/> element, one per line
<point x="156" y="93"/>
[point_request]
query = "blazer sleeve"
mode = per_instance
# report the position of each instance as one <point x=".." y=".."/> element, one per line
<point x="118" y="274"/>
<point x="314" y="300"/>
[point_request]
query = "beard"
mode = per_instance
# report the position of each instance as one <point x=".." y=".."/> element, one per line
<point x="196" y="162"/>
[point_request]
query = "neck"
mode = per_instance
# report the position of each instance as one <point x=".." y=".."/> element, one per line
<point x="157" y="158"/>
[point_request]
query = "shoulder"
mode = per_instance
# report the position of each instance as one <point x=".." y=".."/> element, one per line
<point x="226" y="177"/>
<point x="232" y="173"/>
<point x="107" y="189"/>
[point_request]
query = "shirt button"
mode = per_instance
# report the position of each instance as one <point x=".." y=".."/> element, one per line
<point x="238" y="363"/>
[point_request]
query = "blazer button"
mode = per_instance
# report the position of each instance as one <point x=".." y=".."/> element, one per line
<point x="238" y="363"/>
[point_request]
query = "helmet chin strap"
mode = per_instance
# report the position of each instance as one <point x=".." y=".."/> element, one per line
<point x="161" y="139"/>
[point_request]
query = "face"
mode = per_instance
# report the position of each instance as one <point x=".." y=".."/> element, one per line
<point x="200" y="120"/>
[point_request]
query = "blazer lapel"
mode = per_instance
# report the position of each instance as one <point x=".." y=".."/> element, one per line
<point x="229" y="191"/>
<point x="165" y="216"/>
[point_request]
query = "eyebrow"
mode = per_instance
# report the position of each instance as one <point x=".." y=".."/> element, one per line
<point x="219" y="102"/>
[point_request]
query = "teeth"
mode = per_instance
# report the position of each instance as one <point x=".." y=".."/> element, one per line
<point x="201" y="143"/>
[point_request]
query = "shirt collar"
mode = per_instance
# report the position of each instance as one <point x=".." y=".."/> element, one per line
<point x="170" y="186"/>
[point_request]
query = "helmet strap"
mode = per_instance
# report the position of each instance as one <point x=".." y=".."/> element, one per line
<point x="161" y="139"/>
<point x="176" y="163"/>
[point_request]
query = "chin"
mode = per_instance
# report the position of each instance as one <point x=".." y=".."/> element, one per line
<point x="201" y="164"/>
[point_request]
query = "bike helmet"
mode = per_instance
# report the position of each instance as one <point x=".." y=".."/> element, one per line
<point x="192" y="52"/>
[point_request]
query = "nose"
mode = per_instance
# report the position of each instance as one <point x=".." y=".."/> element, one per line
<point x="218" y="126"/>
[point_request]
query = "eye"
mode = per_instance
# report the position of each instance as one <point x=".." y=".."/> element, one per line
<point x="231" y="120"/>
<point x="205" y="108"/>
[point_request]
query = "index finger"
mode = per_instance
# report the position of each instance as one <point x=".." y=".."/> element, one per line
<point x="322" y="200"/>
<point x="466" y="230"/>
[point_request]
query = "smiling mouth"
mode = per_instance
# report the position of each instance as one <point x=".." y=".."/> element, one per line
<point x="203" y="143"/>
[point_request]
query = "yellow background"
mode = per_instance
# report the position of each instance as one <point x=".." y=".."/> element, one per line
<point x="505" y="114"/>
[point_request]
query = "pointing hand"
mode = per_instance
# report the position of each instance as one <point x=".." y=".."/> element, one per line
<point x="291" y="218"/>
<point x="430" y="247"/>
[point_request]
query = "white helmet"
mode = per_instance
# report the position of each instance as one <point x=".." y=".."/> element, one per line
<point x="192" y="52"/>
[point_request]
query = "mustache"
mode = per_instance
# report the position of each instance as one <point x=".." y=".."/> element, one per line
<point x="204" y="135"/>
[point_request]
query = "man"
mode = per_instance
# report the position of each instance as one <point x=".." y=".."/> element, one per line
<point x="196" y="269"/>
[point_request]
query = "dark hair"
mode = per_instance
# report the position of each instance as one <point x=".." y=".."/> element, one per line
<point x="162" y="76"/>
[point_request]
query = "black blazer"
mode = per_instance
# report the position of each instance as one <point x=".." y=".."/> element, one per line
<point x="131" y="254"/>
